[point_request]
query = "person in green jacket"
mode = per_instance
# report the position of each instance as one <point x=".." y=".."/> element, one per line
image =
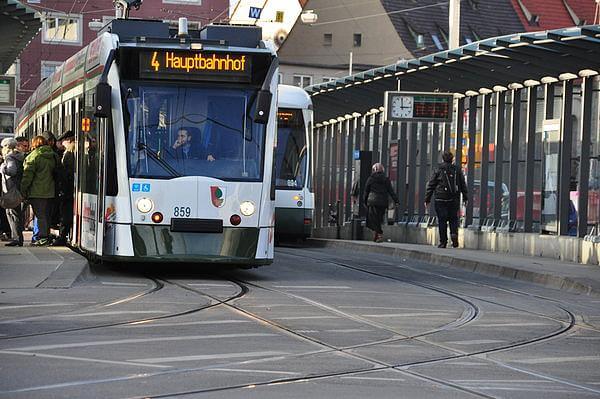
<point x="37" y="184"/>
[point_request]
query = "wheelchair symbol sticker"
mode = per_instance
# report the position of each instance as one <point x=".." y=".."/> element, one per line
<point x="146" y="188"/>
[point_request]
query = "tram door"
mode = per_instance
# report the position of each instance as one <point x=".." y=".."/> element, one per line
<point x="91" y="177"/>
<point x="550" y="183"/>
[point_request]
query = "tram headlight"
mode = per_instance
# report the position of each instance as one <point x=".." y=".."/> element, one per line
<point x="144" y="205"/>
<point x="247" y="208"/>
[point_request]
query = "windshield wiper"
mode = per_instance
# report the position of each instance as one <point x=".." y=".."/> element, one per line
<point x="159" y="160"/>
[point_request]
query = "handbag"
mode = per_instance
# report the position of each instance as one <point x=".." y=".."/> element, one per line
<point x="11" y="197"/>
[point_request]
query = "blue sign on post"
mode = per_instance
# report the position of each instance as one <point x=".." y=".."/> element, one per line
<point x="356" y="154"/>
<point x="255" y="12"/>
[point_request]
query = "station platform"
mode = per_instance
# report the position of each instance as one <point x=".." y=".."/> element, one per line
<point x="568" y="276"/>
<point x="39" y="267"/>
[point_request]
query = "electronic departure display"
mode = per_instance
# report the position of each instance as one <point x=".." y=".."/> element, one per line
<point x="191" y="65"/>
<point x="418" y="107"/>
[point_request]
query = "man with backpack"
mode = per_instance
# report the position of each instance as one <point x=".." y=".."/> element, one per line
<point x="448" y="182"/>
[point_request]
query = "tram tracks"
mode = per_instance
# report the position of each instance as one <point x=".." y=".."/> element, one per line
<point x="158" y="285"/>
<point x="377" y="365"/>
<point x="373" y="365"/>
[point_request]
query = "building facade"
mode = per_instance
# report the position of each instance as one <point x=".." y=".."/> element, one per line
<point x="66" y="29"/>
<point x="351" y="36"/>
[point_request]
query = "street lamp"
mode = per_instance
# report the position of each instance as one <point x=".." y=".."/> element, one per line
<point x="308" y="17"/>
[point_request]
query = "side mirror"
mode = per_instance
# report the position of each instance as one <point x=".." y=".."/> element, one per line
<point x="103" y="100"/>
<point x="263" y="107"/>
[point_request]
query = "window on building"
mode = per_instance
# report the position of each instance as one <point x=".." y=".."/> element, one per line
<point x="302" y="80"/>
<point x="357" y="42"/>
<point x="437" y="42"/>
<point x="62" y="29"/>
<point x="327" y="39"/>
<point x="48" y="68"/>
<point x="280" y="78"/>
<point x="327" y="79"/>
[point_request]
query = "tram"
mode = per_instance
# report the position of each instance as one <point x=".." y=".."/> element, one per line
<point x="294" y="204"/>
<point x="175" y="137"/>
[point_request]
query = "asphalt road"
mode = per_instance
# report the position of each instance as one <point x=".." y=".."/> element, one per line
<point x="318" y="323"/>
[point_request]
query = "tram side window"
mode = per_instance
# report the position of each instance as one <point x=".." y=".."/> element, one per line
<point x="290" y="158"/>
<point x="56" y="121"/>
<point x="88" y="148"/>
<point x="90" y="158"/>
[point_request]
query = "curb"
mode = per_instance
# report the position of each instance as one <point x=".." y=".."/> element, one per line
<point x="547" y="280"/>
<point x="72" y="267"/>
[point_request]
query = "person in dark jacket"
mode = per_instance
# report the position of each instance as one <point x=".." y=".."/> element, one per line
<point x="377" y="190"/>
<point x="37" y="185"/>
<point x="12" y="171"/>
<point x="447" y="182"/>
<point x="66" y="196"/>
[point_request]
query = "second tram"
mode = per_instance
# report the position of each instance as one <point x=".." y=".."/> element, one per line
<point x="174" y="142"/>
<point x="294" y="204"/>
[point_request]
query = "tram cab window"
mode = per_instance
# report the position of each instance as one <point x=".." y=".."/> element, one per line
<point x="290" y="158"/>
<point x="192" y="131"/>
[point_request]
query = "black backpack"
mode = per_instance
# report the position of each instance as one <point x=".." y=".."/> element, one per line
<point x="448" y="179"/>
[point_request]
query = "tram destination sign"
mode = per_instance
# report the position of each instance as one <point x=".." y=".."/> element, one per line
<point x="410" y="106"/>
<point x="194" y="65"/>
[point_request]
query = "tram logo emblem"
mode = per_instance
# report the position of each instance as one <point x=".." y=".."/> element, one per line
<point x="217" y="196"/>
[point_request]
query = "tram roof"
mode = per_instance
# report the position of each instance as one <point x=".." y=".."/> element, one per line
<point x="493" y="64"/>
<point x="18" y="25"/>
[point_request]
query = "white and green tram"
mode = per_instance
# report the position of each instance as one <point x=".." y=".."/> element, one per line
<point x="175" y="138"/>
<point x="294" y="205"/>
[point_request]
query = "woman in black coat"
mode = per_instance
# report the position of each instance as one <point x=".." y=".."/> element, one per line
<point x="377" y="190"/>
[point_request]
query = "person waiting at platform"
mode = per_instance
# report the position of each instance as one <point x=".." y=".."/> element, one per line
<point x="37" y="185"/>
<point x="67" y="140"/>
<point x="447" y="182"/>
<point x="378" y="189"/>
<point x="11" y="171"/>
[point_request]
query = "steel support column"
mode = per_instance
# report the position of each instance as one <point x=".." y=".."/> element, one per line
<point x="327" y="174"/>
<point x="401" y="176"/>
<point x="566" y="147"/>
<point x="584" y="163"/>
<point x="350" y="128"/>
<point x="460" y="110"/>
<point x="376" y="136"/>
<point x="412" y="169"/>
<point x="423" y="174"/>
<point x="515" y="126"/>
<point x="499" y="153"/>
<point x="530" y="158"/>
<point x="435" y="143"/>
<point x="471" y="158"/>
<point x="447" y="134"/>
<point x="485" y="158"/>
<point x="341" y="175"/>
<point x="319" y="165"/>
<point x="385" y="145"/>
<point x="549" y="89"/>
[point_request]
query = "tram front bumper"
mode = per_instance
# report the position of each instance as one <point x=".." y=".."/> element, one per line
<point x="160" y="244"/>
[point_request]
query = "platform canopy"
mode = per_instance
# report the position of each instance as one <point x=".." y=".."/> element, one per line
<point x="18" y="25"/>
<point x="492" y="64"/>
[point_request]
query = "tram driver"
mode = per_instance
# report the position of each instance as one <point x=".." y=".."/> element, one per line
<point x="187" y="148"/>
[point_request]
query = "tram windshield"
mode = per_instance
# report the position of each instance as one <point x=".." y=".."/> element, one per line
<point x="177" y="131"/>
<point x="290" y="161"/>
